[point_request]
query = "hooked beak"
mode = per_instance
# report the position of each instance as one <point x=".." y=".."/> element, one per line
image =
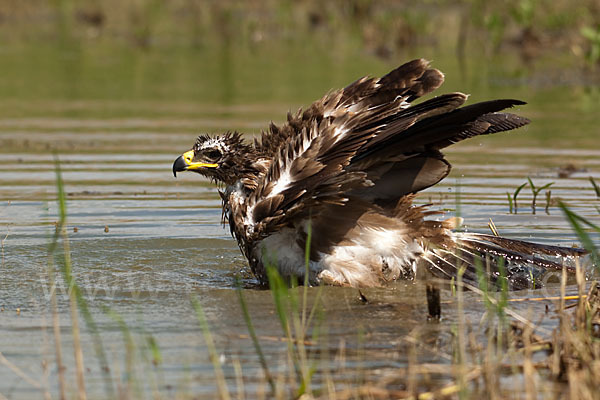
<point x="184" y="163"/>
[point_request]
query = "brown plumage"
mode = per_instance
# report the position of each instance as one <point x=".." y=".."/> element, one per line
<point x="346" y="169"/>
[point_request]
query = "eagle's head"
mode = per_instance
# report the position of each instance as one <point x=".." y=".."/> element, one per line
<point x="224" y="159"/>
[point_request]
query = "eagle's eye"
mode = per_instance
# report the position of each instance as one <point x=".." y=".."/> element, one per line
<point x="213" y="154"/>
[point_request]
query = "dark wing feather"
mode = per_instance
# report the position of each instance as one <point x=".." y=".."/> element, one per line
<point x="419" y="132"/>
<point x="439" y="121"/>
<point x="413" y="79"/>
<point x="368" y="142"/>
<point x="389" y="126"/>
<point x="384" y="96"/>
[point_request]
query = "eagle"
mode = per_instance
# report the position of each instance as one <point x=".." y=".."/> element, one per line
<point x="335" y="185"/>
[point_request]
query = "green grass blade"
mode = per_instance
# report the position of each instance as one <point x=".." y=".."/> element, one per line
<point x="154" y="349"/>
<point x="596" y="187"/>
<point x="280" y="294"/>
<point x="515" y="194"/>
<point x="66" y="269"/>
<point x="503" y="301"/>
<point x="548" y="201"/>
<point x="576" y="222"/>
<point x="255" y="342"/>
<point x="129" y="350"/>
<point x="283" y="302"/>
<point x="482" y="281"/>
<point x="531" y="184"/>
<point x="306" y="273"/>
<point x="212" y="350"/>
<point x="457" y="199"/>
<point x="518" y="190"/>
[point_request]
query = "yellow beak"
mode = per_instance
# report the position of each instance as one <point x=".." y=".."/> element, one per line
<point x="184" y="163"/>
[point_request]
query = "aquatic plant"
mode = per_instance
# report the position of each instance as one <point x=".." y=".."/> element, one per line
<point x="548" y="201"/>
<point x="592" y="35"/>
<point x="514" y="199"/>
<point x="535" y="191"/>
<point x="76" y="300"/>
<point x="212" y="351"/>
<point x="523" y="12"/>
<point x="510" y="203"/>
<point x="595" y="186"/>
<point x="579" y="224"/>
<point x="296" y="320"/>
<point x="255" y="342"/>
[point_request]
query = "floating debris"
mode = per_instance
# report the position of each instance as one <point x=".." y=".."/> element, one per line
<point x="362" y="297"/>
<point x="566" y="171"/>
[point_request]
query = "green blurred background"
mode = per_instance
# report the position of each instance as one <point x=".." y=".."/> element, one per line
<point x="193" y="58"/>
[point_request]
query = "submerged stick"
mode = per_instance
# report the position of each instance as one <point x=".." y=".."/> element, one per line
<point x="434" y="305"/>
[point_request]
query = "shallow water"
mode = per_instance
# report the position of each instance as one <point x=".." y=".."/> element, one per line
<point x="146" y="244"/>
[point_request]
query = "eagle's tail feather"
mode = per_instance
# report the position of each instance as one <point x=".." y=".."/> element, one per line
<point x="523" y="264"/>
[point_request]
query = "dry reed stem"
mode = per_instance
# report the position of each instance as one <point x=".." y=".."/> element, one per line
<point x="2" y="243"/>
<point x="414" y="340"/>
<point x="493" y="228"/>
<point x="412" y="375"/>
<point x="56" y="331"/>
<point x="212" y="351"/>
<point x="507" y="310"/>
<point x="366" y="392"/>
<point x="239" y="378"/>
<point x="549" y="298"/>
<point x="528" y="368"/>
<point x="448" y="390"/>
<point x="462" y="354"/>
<point x="575" y="354"/>
<point x="21" y="374"/>
<point x="572" y="354"/>
<point x="78" y="352"/>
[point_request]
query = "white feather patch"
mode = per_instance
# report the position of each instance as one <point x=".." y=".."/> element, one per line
<point x="282" y="184"/>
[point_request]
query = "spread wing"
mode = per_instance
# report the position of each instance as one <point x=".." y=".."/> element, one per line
<point x="366" y="142"/>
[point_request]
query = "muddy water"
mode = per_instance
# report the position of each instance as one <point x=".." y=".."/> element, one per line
<point x="144" y="244"/>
